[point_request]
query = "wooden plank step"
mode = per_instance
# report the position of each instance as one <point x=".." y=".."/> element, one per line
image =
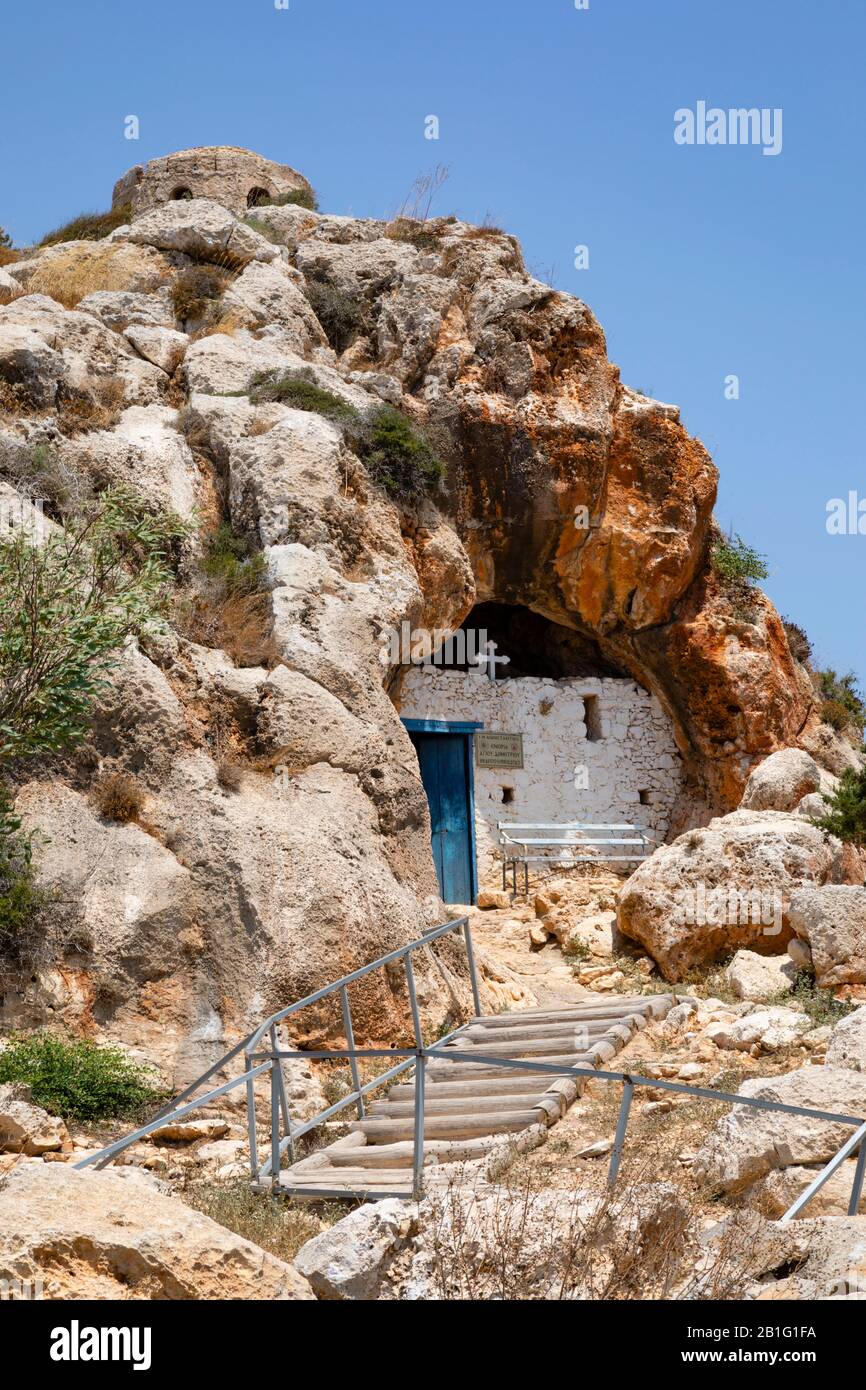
<point x="592" y="1029"/>
<point x="385" y="1131"/>
<point x="462" y="1071"/>
<point x="618" y="1003"/>
<point x="401" y="1154"/>
<point x="514" y="1048"/>
<point x="515" y="1083"/>
<point x="468" y="1105"/>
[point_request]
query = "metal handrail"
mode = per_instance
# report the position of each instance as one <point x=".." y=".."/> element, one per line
<point x="284" y="1133"/>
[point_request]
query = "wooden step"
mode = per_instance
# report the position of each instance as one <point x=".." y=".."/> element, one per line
<point x="515" y="1048"/>
<point x="386" y="1131"/>
<point x="468" y="1105"/>
<point x="461" y="1071"/>
<point x="515" y="1083"/>
<point x="542" y="1033"/>
<point x="401" y="1154"/>
<point x="615" y="1004"/>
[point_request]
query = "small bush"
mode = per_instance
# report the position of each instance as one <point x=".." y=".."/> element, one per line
<point x="396" y="456"/>
<point x="78" y="1080"/>
<point x="417" y="233"/>
<point x="21" y="902"/>
<point x="276" y="1226"/>
<point x="844" y="704"/>
<point x="37" y="471"/>
<point x="5" y="240"/>
<point x="846" y="808"/>
<point x="231" y="608"/>
<point x="343" y="317"/>
<point x="118" y="796"/>
<point x="97" y="406"/>
<point x="798" y="642"/>
<point x="299" y="197"/>
<point x="257" y="225"/>
<point x="737" y="564"/>
<point x="231" y="560"/>
<point x="230" y="775"/>
<point x="195" y="291"/>
<point x="301" y="395"/>
<point x="89" y="226"/>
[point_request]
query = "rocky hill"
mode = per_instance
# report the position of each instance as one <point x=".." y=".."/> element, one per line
<point x="243" y="372"/>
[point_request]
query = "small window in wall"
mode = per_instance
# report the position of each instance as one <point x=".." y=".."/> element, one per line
<point x="180" y="194"/>
<point x="258" y="198"/>
<point x="592" y="716"/>
<point x="507" y="795"/>
<point x="644" y="798"/>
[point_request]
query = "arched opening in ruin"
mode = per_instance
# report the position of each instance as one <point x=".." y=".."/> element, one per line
<point x="258" y="198"/>
<point x="180" y="194"/>
<point x="516" y="718"/>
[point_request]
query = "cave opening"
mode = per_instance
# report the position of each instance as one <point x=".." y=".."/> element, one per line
<point x="517" y="719"/>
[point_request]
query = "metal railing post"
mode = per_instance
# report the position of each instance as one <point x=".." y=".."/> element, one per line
<point x="251" y="1122"/>
<point x="418" y="1150"/>
<point x="473" y="969"/>
<point x="275" y="1128"/>
<point x="350" y="1044"/>
<point x="621" y="1126"/>
<point x="859" y="1174"/>
<point x="281" y="1083"/>
<point x="413" y="1001"/>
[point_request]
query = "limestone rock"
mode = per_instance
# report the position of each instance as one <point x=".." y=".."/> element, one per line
<point x="346" y="1260"/>
<point x="769" y="1030"/>
<point x="26" y="1128"/>
<point x="831" y="919"/>
<point x="113" y="1234"/>
<point x="687" y="902"/>
<point x="781" y="781"/>
<point x="144" y="450"/>
<point x="202" y="229"/>
<point x="28" y="364"/>
<point x="164" y="347"/>
<point x="188" y="1131"/>
<point x="748" y="1143"/>
<point x="847" y="1044"/>
<point x="759" y="978"/>
<point x="779" y="1190"/>
<point x="494" y="898"/>
<point x="119" y="309"/>
<point x="266" y="294"/>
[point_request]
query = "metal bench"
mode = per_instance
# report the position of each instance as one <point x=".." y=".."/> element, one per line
<point x="564" y="838"/>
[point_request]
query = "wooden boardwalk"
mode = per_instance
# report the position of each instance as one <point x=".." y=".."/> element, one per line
<point x="469" y="1104"/>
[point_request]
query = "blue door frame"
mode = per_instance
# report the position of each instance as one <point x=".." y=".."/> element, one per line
<point x="445" y="757"/>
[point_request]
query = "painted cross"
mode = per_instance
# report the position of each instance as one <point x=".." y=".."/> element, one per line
<point x="487" y="658"/>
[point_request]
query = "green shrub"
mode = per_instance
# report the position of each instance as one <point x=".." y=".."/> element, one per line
<point x="66" y="606"/>
<point x="77" y="1079"/>
<point x="846" y="813"/>
<point x="798" y="642"/>
<point x="195" y="291"/>
<point x="231" y="560"/>
<point x="343" y="317"/>
<point x="301" y="395"/>
<point x="21" y="902"/>
<point x="262" y="228"/>
<point x="89" y="226"/>
<point x="737" y="564"/>
<point x="844" y="704"/>
<point x="818" y="1003"/>
<point x="5" y="239"/>
<point x="396" y="456"/>
<point x="299" y="197"/>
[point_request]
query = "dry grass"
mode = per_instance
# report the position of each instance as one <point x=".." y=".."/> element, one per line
<point x="69" y="274"/>
<point x="273" y="1224"/>
<point x="119" y="797"/>
<point x="97" y="407"/>
<point x="8" y="256"/>
<point x="486" y="232"/>
<point x="239" y="624"/>
<point x="230" y="774"/>
<point x="228" y="324"/>
<point x="524" y="1242"/>
<point x="260" y="424"/>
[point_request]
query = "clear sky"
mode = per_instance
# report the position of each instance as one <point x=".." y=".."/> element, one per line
<point x="557" y="123"/>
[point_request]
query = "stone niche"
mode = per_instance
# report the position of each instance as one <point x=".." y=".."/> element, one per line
<point x="231" y="176"/>
<point x="595" y="748"/>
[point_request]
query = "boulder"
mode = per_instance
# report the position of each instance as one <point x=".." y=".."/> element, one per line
<point x="781" y="781"/>
<point x="266" y="294"/>
<point x="29" y="365"/>
<point x="759" y="978"/>
<point x="26" y="1128"/>
<point x="118" y="309"/>
<point x="346" y="1261"/>
<point x="725" y="886"/>
<point x="748" y="1143"/>
<point x="188" y="1131"/>
<point x="219" y="364"/>
<point x="764" y="1030"/>
<point x="847" y="1043"/>
<point x="143" y="450"/>
<point x="164" y="347"/>
<point x="202" y="229"/>
<point x="779" y="1190"/>
<point x="831" y="919"/>
<point x="115" y="1235"/>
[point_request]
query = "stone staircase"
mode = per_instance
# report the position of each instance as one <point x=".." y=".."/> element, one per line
<point x="470" y="1105"/>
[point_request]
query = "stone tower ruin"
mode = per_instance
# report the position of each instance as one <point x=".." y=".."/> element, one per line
<point x="236" y="178"/>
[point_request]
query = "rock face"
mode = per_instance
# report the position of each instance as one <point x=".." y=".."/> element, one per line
<point x="832" y="921"/>
<point x="26" y="1128"/>
<point x="847" y="1045"/>
<point x="758" y="978"/>
<point x="347" y="1261"/>
<point x="748" y="1143"/>
<point x="225" y="173"/>
<point x="728" y="885"/>
<point x="114" y="1235"/>
<point x="781" y="781"/>
<point x="564" y="493"/>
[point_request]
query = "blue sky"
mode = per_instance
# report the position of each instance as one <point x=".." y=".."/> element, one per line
<point x="557" y="123"/>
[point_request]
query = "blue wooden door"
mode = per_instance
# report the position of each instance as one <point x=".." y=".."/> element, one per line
<point x="445" y="772"/>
